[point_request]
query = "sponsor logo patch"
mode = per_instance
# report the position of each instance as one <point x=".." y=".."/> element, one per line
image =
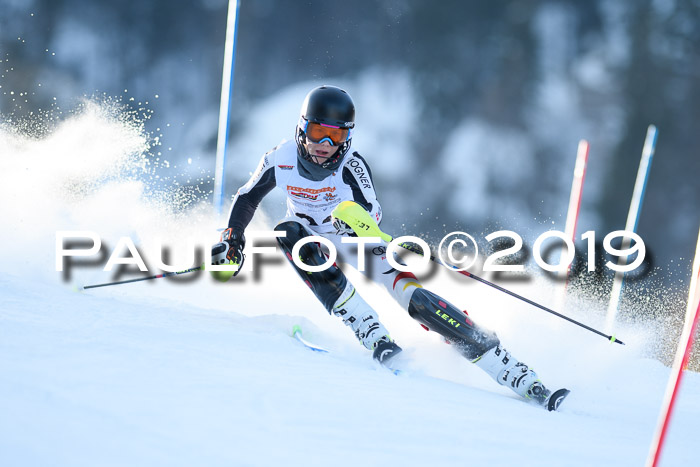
<point x="286" y="167"/>
<point x="447" y="318"/>
<point x="301" y="194"/>
<point x="312" y="194"/>
<point x="378" y="251"/>
<point x="360" y="171"/>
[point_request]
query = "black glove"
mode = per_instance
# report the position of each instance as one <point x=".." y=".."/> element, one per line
<point x="230" y="249"/>
<point x="342" y="228"/>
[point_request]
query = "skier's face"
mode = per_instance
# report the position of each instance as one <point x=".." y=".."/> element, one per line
<point x="320" y="152"/>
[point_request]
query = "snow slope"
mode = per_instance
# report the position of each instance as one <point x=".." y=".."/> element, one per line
<point x="195" y="372"/>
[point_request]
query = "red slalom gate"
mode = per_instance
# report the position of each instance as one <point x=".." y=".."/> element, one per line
<point x="680" y="363"/>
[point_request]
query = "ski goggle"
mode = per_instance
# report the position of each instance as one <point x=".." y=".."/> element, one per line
<point x="320" y="132"/>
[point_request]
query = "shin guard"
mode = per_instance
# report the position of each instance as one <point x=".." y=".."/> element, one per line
<point x="440" y="316"/>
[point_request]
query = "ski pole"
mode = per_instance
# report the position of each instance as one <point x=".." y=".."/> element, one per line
<point x="512" y="294"/>
<point x="364" y="226"/>
<point x="166" y="274"/>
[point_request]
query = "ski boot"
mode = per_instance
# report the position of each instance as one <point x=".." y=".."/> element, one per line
<point x="359" y="316"/>
<point x="508" y="371"/>
<point x="556" y="398"/>
<point x="385" y="351"/>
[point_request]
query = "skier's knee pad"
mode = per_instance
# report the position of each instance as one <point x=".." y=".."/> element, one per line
<point x="328" y="284"/>
<point x="444" y="318"/>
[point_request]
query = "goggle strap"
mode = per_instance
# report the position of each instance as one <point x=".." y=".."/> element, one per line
<point x="303" y="124"/>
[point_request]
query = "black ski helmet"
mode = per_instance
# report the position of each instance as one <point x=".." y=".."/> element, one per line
<point x="329" y="105"/>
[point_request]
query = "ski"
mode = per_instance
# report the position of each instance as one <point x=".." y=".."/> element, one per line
<point x="395" y="371"/>
<point x="296" y="333"/>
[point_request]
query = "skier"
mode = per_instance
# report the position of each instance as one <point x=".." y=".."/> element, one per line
<point x="318" y="170"/>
